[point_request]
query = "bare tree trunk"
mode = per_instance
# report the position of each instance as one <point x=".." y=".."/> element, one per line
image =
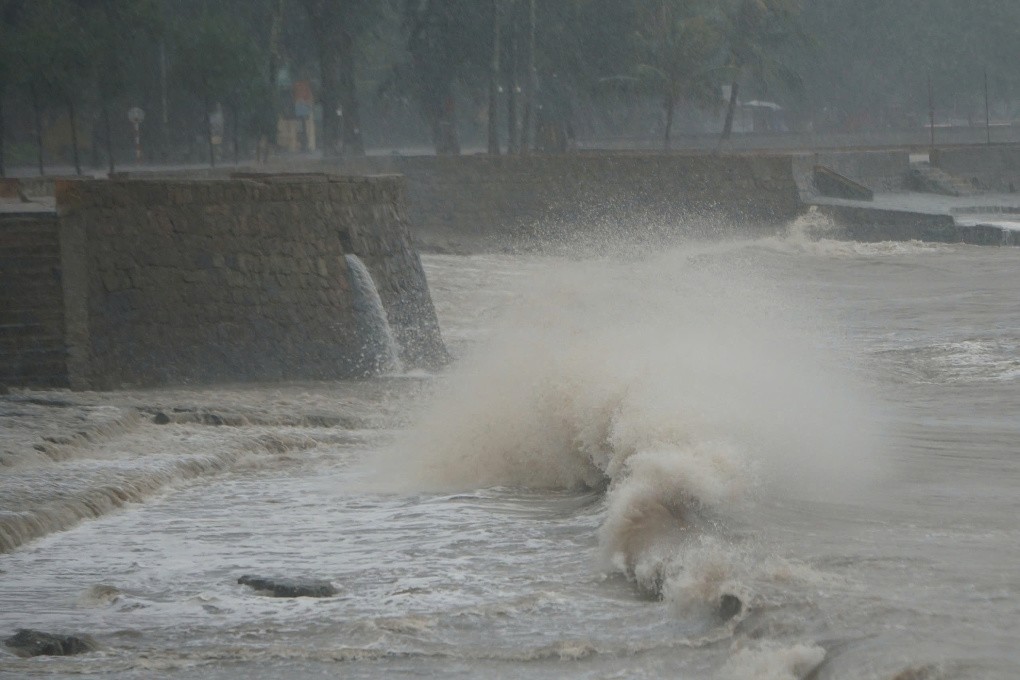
<point x="443" y="115"/>
<point x="271" y="114"/>
<point x="530" y="85"/>
<point x="3" y="130"/>
<point x="341" y="118"/>
<point x="340" y="115"/>
<point x="37" y="119"/>
<point x="731" y="110"/>
<point x="354" y="143"/>
<point x="235" y="124"/>
<point x="74" y="135"/>
<point x="164" y="119"/>
<point x="109" y="136"/>
<point x="513" y="131"/>
<point x="329" y="68"/>
<point x="494" y="82"/>
<point x="670" y="105"/>
<point x="209" y="131"/>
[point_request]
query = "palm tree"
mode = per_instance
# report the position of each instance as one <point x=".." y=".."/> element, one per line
<point x="678" y="52"/>
<point x="754" y="31"/>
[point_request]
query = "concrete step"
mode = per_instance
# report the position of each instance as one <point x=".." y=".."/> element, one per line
<point x="989" y="235"/>
<point x="831" y="183"/>
<point x="927" y="178"/>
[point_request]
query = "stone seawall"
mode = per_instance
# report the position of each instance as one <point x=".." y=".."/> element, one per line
<point x="991" y="167"/>
<point x="509" y="197"/>
<point x="31" y="302"/>
<point x="870" y="224"/>
<point x="198" y="281"/>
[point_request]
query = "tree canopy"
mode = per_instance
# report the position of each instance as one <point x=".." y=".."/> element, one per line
<point x="441" y="73"/>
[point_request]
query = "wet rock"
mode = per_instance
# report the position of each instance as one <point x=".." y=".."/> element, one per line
<point x="99" y="595"/>
<point x="285" y="587"/>
<point x="161" y="418"/>
<point x="730" y="606"/>
<point x="212" y="419"/>
<point x="36" y="643"/>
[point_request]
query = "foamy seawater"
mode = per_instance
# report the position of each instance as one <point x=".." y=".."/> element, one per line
<point x="825" y="433"/>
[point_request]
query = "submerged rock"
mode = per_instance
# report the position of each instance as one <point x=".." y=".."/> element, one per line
<point x="285" y="587"/>
<point x="99" y="595"/>
<point x="36" y="643"/>
<point x="730" y="606"/>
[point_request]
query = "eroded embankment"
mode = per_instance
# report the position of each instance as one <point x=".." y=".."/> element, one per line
<point x="65" y="457"/>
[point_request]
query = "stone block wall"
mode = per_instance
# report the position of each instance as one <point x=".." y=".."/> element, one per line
<point x="196" y="281"/>
<point x="32" y="349"/>
<point x="484" y="196"/>
<point x="992" y="167"/>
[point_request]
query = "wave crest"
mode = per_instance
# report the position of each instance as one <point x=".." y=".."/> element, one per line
<point x="681" y="384"/>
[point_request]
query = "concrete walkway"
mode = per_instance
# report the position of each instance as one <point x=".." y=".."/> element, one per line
<point x="998" y="210"/>
<point x="35" y="207"/>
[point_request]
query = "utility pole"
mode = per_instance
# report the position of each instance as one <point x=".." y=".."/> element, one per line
<point x="988" y="114"/>
<point x="931" y="120"/>
<point x="164" y="100"/>
<point x="530" y="82"/>
<point x="3" y="170"/>
<point x="513" y="126"/>
<point x="494" y="82"/>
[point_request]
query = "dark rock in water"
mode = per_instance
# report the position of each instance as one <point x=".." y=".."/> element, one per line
<point x="285" y="587"/>
<point x="36" y="643"/>
<point x="161" y="418"/>
<point x="212" y="419"/>
<point x="730" y="606"/>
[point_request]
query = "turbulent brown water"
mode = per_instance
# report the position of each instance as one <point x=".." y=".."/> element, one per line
<point x="825" y="432"/>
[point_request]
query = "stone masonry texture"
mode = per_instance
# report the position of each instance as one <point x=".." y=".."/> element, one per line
<point x="32" y="347"/>
<point x="489" y="196"/>
<point x="199" y="281"/>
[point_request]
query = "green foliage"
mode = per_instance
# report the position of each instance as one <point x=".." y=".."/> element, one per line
<point x="834" y="60"/>
<point x="756" y="33"/>
<point x="216" y="62"/>
<point x="117" y="33"/>
<point x="679" y="53"/>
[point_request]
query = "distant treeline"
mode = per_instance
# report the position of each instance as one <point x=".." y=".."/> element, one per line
<point x="214" y="78"/>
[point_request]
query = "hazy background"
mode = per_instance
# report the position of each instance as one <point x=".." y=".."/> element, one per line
<point x="215" y="77"/>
